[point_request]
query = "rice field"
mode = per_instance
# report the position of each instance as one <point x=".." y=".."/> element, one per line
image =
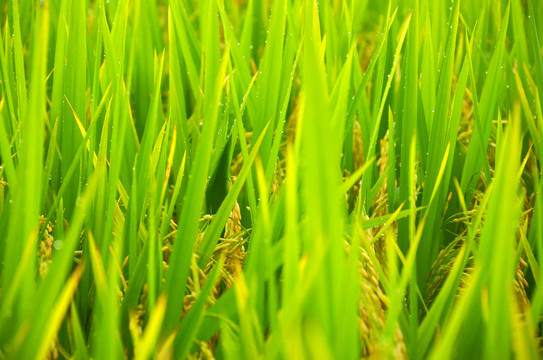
<point x="271" y="179"/>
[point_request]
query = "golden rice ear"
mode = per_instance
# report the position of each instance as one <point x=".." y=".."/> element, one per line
<point x="441" y="269"/>
<point x="520" y="286"/>
<point x="358" y="147"/>
<point x="233" y="224"/>
<point x="45" y="247"/>
<point x="381" y="202"/>
<point x="373" y="306"/>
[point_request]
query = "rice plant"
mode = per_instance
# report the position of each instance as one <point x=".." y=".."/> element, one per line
<point x="282" y="179"/>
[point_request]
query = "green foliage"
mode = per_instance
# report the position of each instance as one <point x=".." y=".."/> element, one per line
<point x="271" y="179"/>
